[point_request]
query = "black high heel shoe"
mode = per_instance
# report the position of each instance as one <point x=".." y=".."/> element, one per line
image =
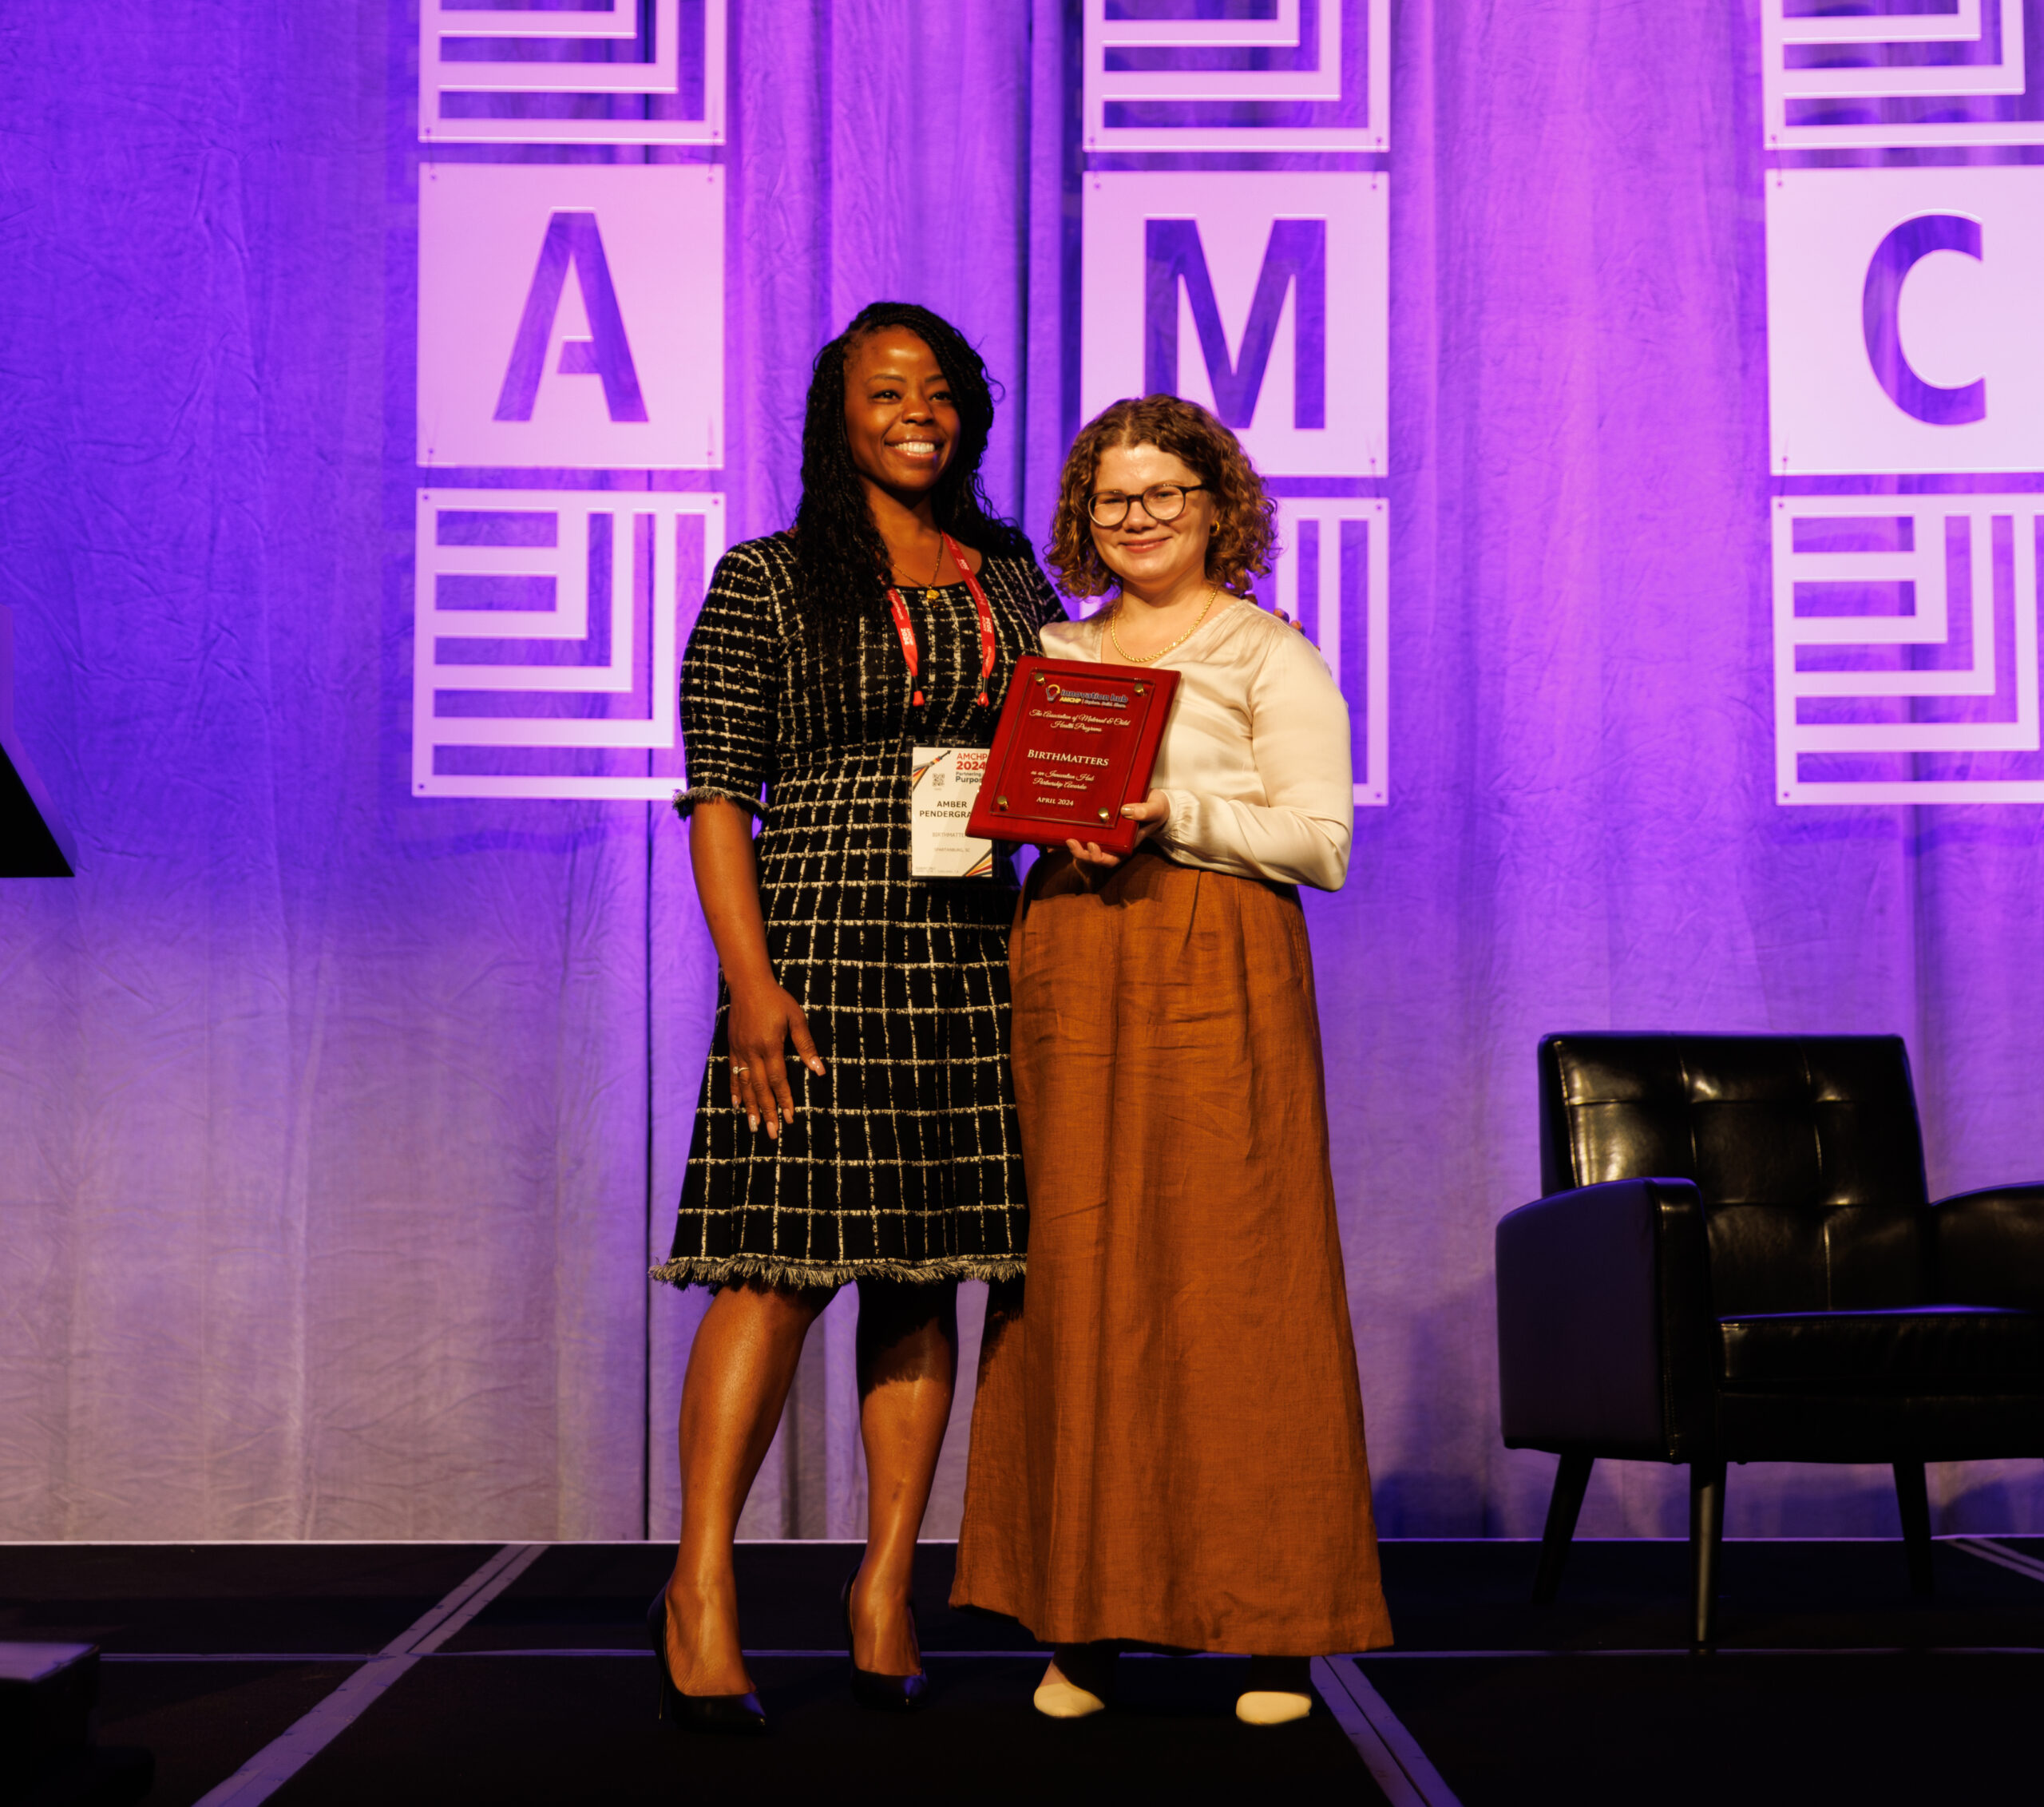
<point x="739" y="1713"/>
<point x="885" y="1694"/>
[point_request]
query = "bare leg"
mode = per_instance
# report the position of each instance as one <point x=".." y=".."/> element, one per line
<point x="740" y="1371"/>
<point x="908" y="1363"/>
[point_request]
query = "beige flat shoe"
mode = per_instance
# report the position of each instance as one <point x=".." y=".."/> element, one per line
<point x="1265" y="1708"/>
<point x="1057" y="1698"/>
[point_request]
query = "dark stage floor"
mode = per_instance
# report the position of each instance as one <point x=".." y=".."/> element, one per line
<point x="516" y="1674"/>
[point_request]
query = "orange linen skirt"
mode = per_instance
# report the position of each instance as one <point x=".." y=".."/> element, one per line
<point x="1167" y="1446"/>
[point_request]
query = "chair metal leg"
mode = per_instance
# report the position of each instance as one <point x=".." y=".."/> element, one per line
<point x="1571" y="1482"/>
<point x="1706" y="1545"/>
<point x="1913" y="1495"/>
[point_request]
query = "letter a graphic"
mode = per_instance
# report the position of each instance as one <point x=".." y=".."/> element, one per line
<point x="572" y="238"/>
<point x="1297" y="254"/>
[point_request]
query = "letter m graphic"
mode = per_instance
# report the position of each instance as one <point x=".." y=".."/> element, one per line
<point x="1296" y="256"/>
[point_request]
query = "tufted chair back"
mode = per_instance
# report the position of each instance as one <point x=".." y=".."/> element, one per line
<point x="1805" y="1149"/>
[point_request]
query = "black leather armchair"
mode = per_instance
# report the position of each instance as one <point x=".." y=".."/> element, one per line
<point x="1737" y="1260"/>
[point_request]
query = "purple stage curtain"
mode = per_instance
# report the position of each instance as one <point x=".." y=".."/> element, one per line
<point x="336" y="1128"/>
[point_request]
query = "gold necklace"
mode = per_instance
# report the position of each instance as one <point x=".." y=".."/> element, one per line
<point x="1213" y="596"/>
<point x="936" y="570"/>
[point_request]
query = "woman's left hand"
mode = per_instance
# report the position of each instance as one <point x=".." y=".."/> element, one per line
<point x="1150" y="814"/>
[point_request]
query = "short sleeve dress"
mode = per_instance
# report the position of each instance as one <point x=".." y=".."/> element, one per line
<point x="904" y="1160"/>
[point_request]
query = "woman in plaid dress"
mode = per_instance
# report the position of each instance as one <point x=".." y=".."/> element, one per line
<point x="885" y="1151"/>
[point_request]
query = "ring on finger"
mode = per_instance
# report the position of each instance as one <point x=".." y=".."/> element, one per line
<point x="737" y="1070"/>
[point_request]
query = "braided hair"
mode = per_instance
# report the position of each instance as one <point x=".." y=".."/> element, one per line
<point x="840" y="562"/>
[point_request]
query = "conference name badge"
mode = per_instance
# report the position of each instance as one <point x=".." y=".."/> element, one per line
<point x="943" y="781"/>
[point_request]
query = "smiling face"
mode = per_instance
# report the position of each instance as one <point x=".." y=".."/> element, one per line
<point x="900" y="419"/>
<point x="1152" y="558"/>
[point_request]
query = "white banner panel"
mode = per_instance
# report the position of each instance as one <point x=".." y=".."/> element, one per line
<point x="1855" y="74"/>
<point x="571" y="316"/>
<point x="608" y="72"/>
<point x="1902" y="320"/>
<point x="1295" y="75"/>
<point x="549" y="624"/>
<point x="1333" y="578"/>
<point x="1261" y="294"/>
<point x="1905" y="649"/>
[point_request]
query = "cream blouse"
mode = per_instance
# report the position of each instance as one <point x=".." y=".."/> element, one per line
<point x="1255" y="758"/>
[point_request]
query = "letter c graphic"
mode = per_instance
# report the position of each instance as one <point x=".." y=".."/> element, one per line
<point x="1899" y="253"/>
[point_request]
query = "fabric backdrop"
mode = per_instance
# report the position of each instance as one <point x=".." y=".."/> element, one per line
<point x="336" y="1128"/>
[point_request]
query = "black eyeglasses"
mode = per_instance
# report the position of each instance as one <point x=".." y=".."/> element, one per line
<point x="1161" y="502"/>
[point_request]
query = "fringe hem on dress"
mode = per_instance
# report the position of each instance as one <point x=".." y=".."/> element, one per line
<point x="724" y="1271"/>
<point x="685" y="801"/>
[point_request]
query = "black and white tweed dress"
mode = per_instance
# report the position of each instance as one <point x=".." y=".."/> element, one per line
<point x="904" y="1160"/>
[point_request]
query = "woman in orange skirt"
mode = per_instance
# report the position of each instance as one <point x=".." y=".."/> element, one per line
<point x="1168" y="1447"/>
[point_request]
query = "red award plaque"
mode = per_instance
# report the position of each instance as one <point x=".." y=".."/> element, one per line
<point x="1076" y="742"/>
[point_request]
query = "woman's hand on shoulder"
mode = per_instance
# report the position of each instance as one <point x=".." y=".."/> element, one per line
<point x="764" y="1019"/>
<point x="1149" y="815"/>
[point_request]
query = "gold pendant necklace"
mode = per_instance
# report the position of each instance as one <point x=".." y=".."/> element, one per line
<point x="936" y="571"/>
<point x="1128" y="658"/>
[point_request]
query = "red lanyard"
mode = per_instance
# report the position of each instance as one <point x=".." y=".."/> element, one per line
<point x="906" y="629"/>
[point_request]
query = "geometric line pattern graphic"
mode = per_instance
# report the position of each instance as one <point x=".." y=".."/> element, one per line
<point x="1332" y="577"/>
<point x="1906" y="649"/>
<point x="1872" y="74"/>
<point x="1280" y="75"/>
<point x="614" y="72"/>
<point x="547" y="623"/>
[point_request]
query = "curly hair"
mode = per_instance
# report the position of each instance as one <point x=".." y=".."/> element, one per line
<point x="840" y="563"/>
<point x="1245" y="518"/>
